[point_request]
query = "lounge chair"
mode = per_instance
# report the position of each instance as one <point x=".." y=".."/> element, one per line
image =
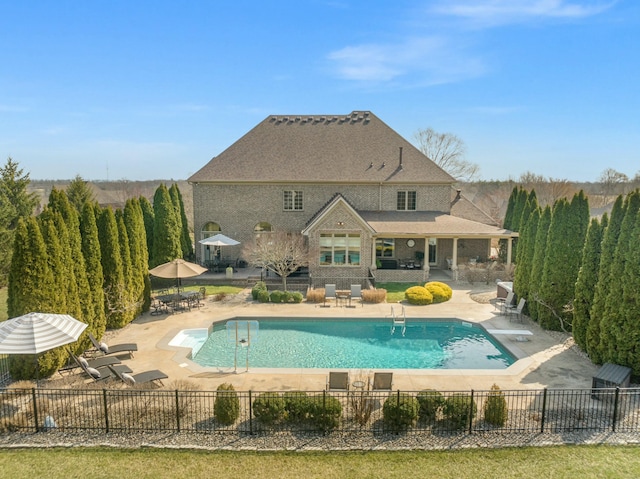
<point x="503" y="303"/>
<point x="338" y="381"/>
<point x="382" y="382"/>
<point x="329" y="293"/>
<point x="356" y="293"/>
<point x="91" y="363"/>
<point x="100" y="373"/>
<point x="152" y="376"/>
<point x="125" y="348"/>
<point x="516" y="311"/>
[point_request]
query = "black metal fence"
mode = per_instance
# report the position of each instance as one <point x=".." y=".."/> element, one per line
<point x="241" y="412"/>
<point x="5" y="375"/>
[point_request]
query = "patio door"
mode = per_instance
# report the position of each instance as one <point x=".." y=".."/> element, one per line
<point x="433" y="251"/>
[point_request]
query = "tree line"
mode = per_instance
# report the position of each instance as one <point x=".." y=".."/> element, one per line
<point x="579" y="274"/>
<point x="87" y="261"/>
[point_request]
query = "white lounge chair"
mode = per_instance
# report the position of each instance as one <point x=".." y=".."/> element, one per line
<point x="329" y="293"/>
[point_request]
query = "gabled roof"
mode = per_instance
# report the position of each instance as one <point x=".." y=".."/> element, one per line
<point x="462" y="207"/>
<point x="429" y="223"/>
<point x="353" y="148"/>
<point x="331" y="205"/>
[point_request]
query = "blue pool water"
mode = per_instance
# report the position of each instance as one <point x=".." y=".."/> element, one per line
<point x="358" y="344"/>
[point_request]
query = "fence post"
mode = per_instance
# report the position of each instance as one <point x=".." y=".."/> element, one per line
<point x="35" y="409"/>
<point x="544" y="409"/>
<point x="471" y="414"/>
<point x="324" y="412"/>
<point x="177" y="410"/>
<point x="106" y="410"/>
<point x="615" y="409"/>
<point x="250" y="414"/>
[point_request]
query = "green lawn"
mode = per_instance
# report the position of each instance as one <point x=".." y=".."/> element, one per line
<point x="395" y="291"/>
<point x="541" y="462"/>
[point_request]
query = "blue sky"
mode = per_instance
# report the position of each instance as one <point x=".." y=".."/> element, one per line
<point x="146" y="90"/>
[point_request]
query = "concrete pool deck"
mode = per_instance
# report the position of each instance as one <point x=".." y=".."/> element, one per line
<point x="544" y="359"/>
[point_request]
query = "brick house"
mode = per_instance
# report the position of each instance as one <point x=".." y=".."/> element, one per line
<point x="368" y="201"/>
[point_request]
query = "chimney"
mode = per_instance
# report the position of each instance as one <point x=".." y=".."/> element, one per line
<point x="458" y="194"/>
<point x="400" y="165"/>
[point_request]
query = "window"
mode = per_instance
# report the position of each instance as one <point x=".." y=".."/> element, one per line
<point x="385" y="247"/>
<point x="293" y="200"/>
<point x="339" y="249"/>
<point x="406" y="200"/>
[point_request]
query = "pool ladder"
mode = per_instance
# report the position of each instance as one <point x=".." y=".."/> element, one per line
<point x="402" y="321"/>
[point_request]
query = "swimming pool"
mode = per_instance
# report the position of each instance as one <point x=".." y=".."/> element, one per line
<point x="356" y="344"/>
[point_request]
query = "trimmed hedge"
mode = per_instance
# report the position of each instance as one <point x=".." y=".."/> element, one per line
<point x="418" y="295"/>
<point x="441" y="292"/>
<point x="269" y="408"/>
<point x="226" y="409"/>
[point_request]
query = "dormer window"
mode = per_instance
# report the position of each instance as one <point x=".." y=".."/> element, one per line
<point x="293" y="200"/>
<point x="406" y="201"/>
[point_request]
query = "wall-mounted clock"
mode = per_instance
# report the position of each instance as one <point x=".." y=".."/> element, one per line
<point x="411" y="243"/>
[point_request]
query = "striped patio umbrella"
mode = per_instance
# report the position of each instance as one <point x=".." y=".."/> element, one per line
<point x="35" y="333"/>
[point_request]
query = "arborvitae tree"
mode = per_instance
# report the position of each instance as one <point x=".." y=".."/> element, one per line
<point x="185" y="237"/>
<point x="521" y="201"/>
<point x="526" y="251"/>
<point x="601" y="292"/>
<point x="540" y="251"/>
<point x="59" y="203"/>
<point x="131" y="303"/>
<point x="166" y="229"/>
<point x="508" y="216"/>
<point x="7" y="213"/>
<point x="614" y="346"/>
<point x="79" y="192"/>
<point x="565" y="243"/>
<point x="149" y="220"/>
<point x="112" y="269"/>
<point x="138" y="250"/>
<point x="93" y="262"/>
<point x="59" y="263"/>
<point x="627" y="332"/>
<point x="31" y="289"/>
<point x="587" y="280"/>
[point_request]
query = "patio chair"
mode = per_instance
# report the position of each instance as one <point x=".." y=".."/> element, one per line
<point x="100" y="373"/>
<point x="503" y="303"/>
<point x="329" y="293"/>
<point x="153" y="376"/>
<point x="356" y="293"/>
<point x="114" y="349"/>
<point x="382" y="382"/>
<point x="515" y="312"/>
<point x="98" y="363"/>
<point x="338" y="381"/>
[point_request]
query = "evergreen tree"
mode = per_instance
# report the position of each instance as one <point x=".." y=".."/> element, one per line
<point x="149" y="221"/>
<point x="185" y="236"/>
<point x="59" y="263"/>
<point x="508" y="216"/>
<point x="521" y="200"/>
<point x="79" y="192"/>
<point x="604" y="284"/>
<point x="138" y="250"/>
<point x="587" y="280"/>
<point x="614" y="345"/>
<point x="112" y="269"/>
<point x="131" y="304"/>
<point x="540" y="252"/>
<point x="627" y="332"/>
<point x="166" y="230"/>
<point x="96" y="318"/>
<point x="526" y="252"/>
<point x="7" y="213"/>
<point x="565" y="243"/>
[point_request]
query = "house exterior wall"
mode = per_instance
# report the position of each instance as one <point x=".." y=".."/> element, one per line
<point x="238" y="208"/>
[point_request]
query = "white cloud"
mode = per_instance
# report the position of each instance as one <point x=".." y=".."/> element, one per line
<point x="512" y="11"/>
<point x="420" y="60"/>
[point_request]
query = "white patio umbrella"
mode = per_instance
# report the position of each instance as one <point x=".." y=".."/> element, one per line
<point x="35" y="333"/>
<point x="176" y="269"/>
<point x="219" y="240"/>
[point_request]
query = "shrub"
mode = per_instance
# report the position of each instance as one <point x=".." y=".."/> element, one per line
<point x="263" y="296"/>
<point x="459" y="409"/>
<point x="226" y="409"/>
<point x="287" y="296"/>
<point x="430" y="401"/>
<point x="400" y="411"/>
<point x="418" y="295"/>
<point x="275" y="296"/>
<point x="374" y="295"/>
<point x="495" y="408"/>
<point x="325" y="412"/>
<point x="297" y="404"/>
<point x="269" y="408"/>
<point x="297" y="297"/>
<point x="259" y="286"/>
<point x="441" y="292"/>
<point x="315" y="295"/>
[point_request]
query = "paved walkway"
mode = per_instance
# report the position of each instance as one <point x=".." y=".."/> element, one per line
<point x="545" y="360"/>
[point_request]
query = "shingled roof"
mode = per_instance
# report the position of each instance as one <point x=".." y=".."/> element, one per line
<point x="353" y="148"/>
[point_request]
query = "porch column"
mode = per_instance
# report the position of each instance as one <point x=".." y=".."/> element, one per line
<point x="509" y="245"/>
<point x="454" y="260"/>
<point x="425" y="259"/>
<point x="373" y="254"/>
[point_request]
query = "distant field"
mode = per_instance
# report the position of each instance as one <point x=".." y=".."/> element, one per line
<point x="530" y="462"/>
